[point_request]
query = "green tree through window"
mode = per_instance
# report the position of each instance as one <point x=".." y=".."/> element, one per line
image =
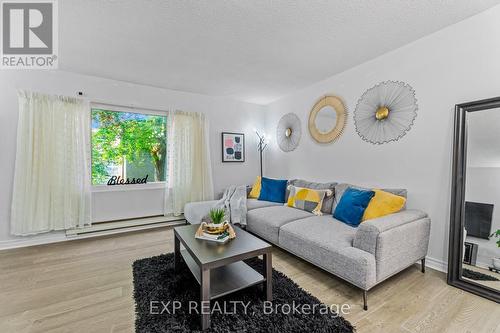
<point x="127" y="144"/>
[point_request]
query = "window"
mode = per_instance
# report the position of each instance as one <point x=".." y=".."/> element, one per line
<point x="128" y="145"/>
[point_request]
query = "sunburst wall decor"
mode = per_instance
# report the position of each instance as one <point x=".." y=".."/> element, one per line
<point x="288" y="132"/>
<point x="385" y="112"/>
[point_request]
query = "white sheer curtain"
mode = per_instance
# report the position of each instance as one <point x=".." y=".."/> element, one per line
<point x="189" y="167"/>
<point x="52" y="173"/>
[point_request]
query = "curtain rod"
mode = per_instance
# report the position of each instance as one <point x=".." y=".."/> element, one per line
<point x="129" y="106"/>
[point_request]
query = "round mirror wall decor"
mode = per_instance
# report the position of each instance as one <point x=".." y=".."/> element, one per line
<point x="288" y="132"/>
<point x="327" y="119"/>
<point x="385" y="112"/>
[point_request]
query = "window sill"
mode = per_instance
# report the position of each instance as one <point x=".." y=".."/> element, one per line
<point x="122" y="188"/>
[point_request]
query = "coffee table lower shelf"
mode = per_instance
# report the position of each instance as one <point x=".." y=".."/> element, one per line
<point x="225" y="279"/>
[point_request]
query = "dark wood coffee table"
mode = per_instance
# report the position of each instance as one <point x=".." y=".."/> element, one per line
<point x="219" y="268"/>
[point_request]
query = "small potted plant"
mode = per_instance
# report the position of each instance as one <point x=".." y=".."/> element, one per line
<point x="217" y="216"/>
<point x="496" y="261"/>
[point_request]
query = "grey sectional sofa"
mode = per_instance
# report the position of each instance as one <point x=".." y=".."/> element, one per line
<point x="363" y="256"/>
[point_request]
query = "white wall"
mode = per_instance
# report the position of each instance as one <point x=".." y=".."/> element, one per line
<point x="482" y="185"/>
<point x="223" y="115"/>
<point x="458" y="64"/>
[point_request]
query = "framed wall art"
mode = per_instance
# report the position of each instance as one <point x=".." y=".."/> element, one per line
<point x="233" y="147"/>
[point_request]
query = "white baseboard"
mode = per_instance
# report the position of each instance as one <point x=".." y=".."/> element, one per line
<point x="436" y="264"/>
<point x="33" y="240"/>
<point x="98" y="231"/>
<point x="123" y="224"/>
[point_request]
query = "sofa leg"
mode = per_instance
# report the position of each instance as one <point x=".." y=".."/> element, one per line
<point x="422" y="265"/>
<point x="365" y="300"/>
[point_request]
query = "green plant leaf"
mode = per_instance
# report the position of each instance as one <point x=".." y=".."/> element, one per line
<point x="217" y="215"/>
<point x="496" y="234"/>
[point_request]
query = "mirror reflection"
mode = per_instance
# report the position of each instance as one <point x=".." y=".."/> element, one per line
<point x="326" y="119"/>
<point x="481" y="251"/>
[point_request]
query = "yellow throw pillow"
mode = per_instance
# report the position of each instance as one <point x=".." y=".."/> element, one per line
<point x="383" y="203"/>
<point x="255" y="192"/>
<point x="307" y="199"/>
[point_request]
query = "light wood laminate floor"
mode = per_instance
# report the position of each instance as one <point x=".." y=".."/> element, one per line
<point x="86" y="286"/>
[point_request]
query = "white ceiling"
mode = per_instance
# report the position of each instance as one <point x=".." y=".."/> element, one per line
<point x="253" y="50"/>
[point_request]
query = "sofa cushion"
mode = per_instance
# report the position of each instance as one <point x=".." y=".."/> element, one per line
<point x="382" y="204"/>
<point x="340" y="189"/>
<point x="321" y="229"/>
<point x="255" y="192"/>
<point x="327" y="202"/>
<point x="352" y="206"/>
<point x="255" y="204"/>
<point x="307" y="199"/>
<point x="327" y="242"/>
<point x="273" y="189"/>
<point x="265" y="222"/>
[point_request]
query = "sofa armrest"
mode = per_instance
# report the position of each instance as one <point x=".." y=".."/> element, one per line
<point x="368" y="232"/>
<point x="396" y="240"/>
<point x="194" y="212"/>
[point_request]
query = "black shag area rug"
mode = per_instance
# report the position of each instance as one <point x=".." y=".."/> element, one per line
<point x="158" y="290"/>
<point x="478" y="276"/>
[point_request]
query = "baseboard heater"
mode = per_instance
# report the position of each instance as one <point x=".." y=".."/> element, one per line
<point x="118" y="226"/>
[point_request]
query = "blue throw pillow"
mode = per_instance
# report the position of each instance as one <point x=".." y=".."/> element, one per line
<point x="352" y="206"/>
<point x="273" y="190"/>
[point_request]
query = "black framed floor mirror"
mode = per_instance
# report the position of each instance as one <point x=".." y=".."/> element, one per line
<point x="474" y="248"/>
